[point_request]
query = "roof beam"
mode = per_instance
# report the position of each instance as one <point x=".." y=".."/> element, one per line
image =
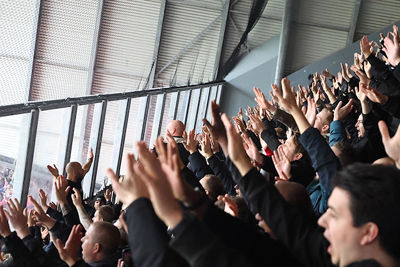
<point x="353" y="22"/>
<point x="222" y="33"/>
<point x="284" y="40"/>
<point x="157" y="44"/>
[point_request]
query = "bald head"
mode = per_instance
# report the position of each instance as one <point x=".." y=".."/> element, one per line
<point x="74" y="171"/>
<point x="176" y="128"/>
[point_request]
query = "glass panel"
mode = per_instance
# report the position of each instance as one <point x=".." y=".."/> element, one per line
<point x="194" y="101"/>
<point x="202" y="109"/>
<point x="47" y="147"/>
<point x="10" y="128"/>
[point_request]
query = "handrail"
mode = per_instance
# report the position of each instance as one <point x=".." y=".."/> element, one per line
<point x="15" y="109"/>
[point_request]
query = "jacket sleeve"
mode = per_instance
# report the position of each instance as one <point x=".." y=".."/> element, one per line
<point x="385" y="81"/>
<point x="148" y="238"/>
<point x="336" y="132"/>
<point x="191" y="179"/>
<point x="207" y="250"/>
<point x="20" y="253"/>
<point x="285" y="118"/>
<point x="199" y="165"/>
<point x="269" y="136"/>
<point x="324" y="162"/>
<point x="222" y="172"/>
<point x="296" y="229"/>
<point x="392" y="106"/>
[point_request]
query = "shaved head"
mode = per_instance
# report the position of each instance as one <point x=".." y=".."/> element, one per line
<point x="176" y="128"/>
<point x="74" y="171"/>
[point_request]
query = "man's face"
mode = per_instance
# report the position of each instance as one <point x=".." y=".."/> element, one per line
<point x="97" y="217"/>
<point x="321" y="121"/>
<point x="360" y="127"/>
<point x="344" y="238"/>
<point x="289" y="147"/>
<point x="88" y="246"/>
<point x="97" y="204"/>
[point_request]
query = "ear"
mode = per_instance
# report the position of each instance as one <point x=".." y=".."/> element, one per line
<point x="325" y="128"/>
<point x="207" y="193"/>
<point x="298" y="156"/>
<point x="370" y="231"/>
<point x="96" y="248"/>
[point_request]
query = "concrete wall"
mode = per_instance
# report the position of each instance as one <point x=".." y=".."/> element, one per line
<point x="255" y="69"/>
<point x="258" y="69"/>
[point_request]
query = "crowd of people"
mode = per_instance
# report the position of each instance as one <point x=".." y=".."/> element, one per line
<point x="308" y="178"/>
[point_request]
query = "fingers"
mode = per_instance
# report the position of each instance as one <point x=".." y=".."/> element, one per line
<point x="38" y="208"/>
<point x="383" y="129"/>
<point x="114" y="180"/>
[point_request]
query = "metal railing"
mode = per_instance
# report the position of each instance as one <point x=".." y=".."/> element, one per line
<point x="24" y="163"/>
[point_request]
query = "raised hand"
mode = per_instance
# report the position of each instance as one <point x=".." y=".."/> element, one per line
<point x="366" y="46"/>
<point x="61" y="188"/>
<point x="190" y="144"/>
<point x="235" y="148"/>
<point x="40" y="215"/>
<point x="205" y="144"/>
<point x="285" y="99"/>
<point x="76" y="197"/>
<point x="373" y="94"/>
<point x="132" y="187"/>
<point x="311" y="113"/>
<point x="216" y="127"/>
<point x="251" y="149"/>
<point x="16" y="217"/>
<point x="344" y="73"/>
<point x="392" y="145"/>
<point x="43" y="199"/>
<point x="262" y="101"/>
<point x="69" y="252"/>
<point x="281" y="162"/>
<point x="239" y="124"/>
<point x="160" y="191"/>
<point x="392" y="48"/>
<point x="4" y="227"/>
<point x="230" y="205"/>
<point x="341" y="112"/>
<point x="256" y="124"/>
<point x="326" y="73"/>
<point x="361" y="75"/>
<point x="53" y="170"/>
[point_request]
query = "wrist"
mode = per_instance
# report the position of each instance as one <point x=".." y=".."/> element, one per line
<point x="174" y="218"/>
<point x="191" y="151"/>
<point x="22" y="232"/>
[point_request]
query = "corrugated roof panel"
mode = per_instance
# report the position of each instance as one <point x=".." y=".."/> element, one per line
<point x="114" y="83"/>
<point x="13" y="80"/>
<point x="55" y="82"/>
<point x="264" y="30"/>
<point x="126" y="41"/>
<point x="181" y="26"/>
<point x="336" y="13"/>
<point x="375" y="15"/>
<point x="66" y="31"/>
<point x="311" y="44"/>
<point x="274" y="8"/>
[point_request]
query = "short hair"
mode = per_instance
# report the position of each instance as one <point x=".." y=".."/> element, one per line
<point x="107" y="235"/>
<point x="107" y="213"/>
<point x="75" y="170"/>
<point x="374" y="197"/>
<point x="214" y="187"/>
<point x="347" y="154"/>
<point x="329" y="117"/>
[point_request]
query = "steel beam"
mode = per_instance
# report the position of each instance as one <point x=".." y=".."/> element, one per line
<point x="96" y="137"/>
<point x="23" y="170"/>
<point x="67" y="137"/>
<point x="34" y="50"/>
<point x="221" y="40"/>
<point x="158" y="115"/>
<point x="187" y="108"/>
<point x="353" y="22"/>
<point x="15" y="109"/>
<point x="120" y="135"/>
<point x="284" y="41"/>
<point x="95" y="46"/>
<point x="157" y="43"/>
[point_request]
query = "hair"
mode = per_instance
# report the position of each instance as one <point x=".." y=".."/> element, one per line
<point x="107" y="235"/>
<point x="329" y="117"/>
<point x="107" y="213"/>
<point x="301" y="170"/>
<point x="214" y="187"/>
<point x="296" y="195"/>
<point x="347" y="154"/>
<point x="374" y="197"/>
